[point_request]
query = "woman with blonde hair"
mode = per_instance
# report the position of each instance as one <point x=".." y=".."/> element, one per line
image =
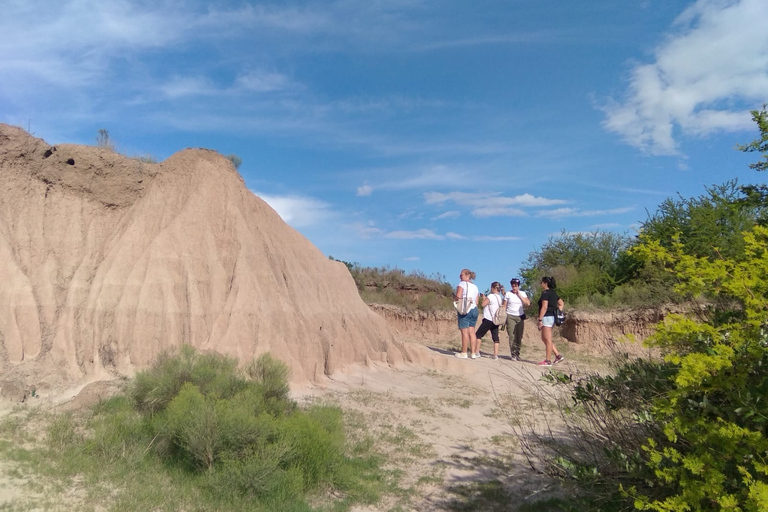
<point x="467" y="322"/>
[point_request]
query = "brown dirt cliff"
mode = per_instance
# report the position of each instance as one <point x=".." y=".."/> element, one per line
<point x="106" y="261"/>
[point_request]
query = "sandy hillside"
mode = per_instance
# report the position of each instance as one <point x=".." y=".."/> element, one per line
<point x="107" y="261"/>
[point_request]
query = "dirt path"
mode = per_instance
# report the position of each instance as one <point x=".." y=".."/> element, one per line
<point x="449" y="431"/>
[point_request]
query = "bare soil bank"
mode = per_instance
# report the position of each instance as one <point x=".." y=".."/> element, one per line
<point x="591" y="329"/>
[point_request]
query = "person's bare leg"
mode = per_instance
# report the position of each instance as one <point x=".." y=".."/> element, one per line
<point x="464" y="340"/>
<point x="546" y="334"/>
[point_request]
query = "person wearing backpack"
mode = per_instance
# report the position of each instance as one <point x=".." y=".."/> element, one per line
<point x="491" y="304"/>
<point x="466" y="306"/>
<point x="517" y="301"/>
<point x="549" y="302"/>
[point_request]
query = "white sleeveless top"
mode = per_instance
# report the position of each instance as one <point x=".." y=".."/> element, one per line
<point x="472" y="290"/>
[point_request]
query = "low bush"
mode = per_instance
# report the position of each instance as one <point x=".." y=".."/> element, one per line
<point x="231" y="433"/>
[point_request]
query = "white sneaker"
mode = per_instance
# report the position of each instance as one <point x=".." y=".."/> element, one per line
<point x="474" y="356"/>
<point x="461" y="355"/>
<point x="495" y="358"/>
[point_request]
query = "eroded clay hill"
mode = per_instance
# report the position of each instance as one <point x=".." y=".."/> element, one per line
<point x="106" y="261"/>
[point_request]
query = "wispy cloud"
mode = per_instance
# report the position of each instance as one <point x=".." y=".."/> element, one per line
<point x="492" y="205"/>
<point x="179" y="87"/>
<point x="452" y="214"/>
<point x="368" y="231"/>
<point x="539" y="36"/>
<point x="420" y="177"/>
<point x="495" y="199"/>
<point x="262" y="81"/>
<point x="496" y="238"/>
<point x="419" y="234"/>
<point x="364" y="190"/>
<point x="577" y="212"/>
<point x="706" y="75"/>
<point x="497" y="211"/>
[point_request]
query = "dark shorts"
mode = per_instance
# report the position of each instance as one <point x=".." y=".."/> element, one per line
<point x="468" y="320"/>
<point x="486" y="326"/>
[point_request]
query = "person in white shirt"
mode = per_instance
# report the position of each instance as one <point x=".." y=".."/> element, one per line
<point x="491" y="303"/>
<point x="517" y="301"/>
<point x="467" y="322"/>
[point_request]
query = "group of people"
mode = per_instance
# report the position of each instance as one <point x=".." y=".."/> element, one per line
<point x="515" y="301"/>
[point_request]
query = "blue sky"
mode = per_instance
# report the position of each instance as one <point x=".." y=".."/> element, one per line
<point x="430" y="135"/>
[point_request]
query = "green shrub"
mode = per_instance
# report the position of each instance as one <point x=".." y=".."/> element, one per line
<point x="317" y="438"/>
<point x="240" y="430"/>
<point x="272" y="375"/>
<point x="194" y="426"/>
<point x="259" y="476"/>
<point x="211" y="373"/>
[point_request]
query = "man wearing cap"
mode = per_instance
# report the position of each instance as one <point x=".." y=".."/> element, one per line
<point x="517" y="301"/>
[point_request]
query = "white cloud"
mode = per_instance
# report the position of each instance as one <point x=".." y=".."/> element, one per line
<point x="606" y="225"/>
<point x="412" y="258"/>
<point x="451" y="214"/>
<point x="179" y="87"/>
<point x="490" y="200"/>
<point x="249" y="83"/>
<point x="364" y="190"/>
<point x="577" y="212"/>
<point x="426" y="177"/>
<point x="419" y="234"/>
<point x="498" y="211"/>
<point x="706" y="76"/>
<point x="299" y="211"/>
<point x="491" y="205"/>
<point x="541" y="36"/>
<point x="367" y="231"/>
<point x="262" y="81"/>
<point x="496" y="238"/>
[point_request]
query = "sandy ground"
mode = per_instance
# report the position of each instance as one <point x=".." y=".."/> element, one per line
<point x="445" y="430"/>
<point x="452" y="427"/>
